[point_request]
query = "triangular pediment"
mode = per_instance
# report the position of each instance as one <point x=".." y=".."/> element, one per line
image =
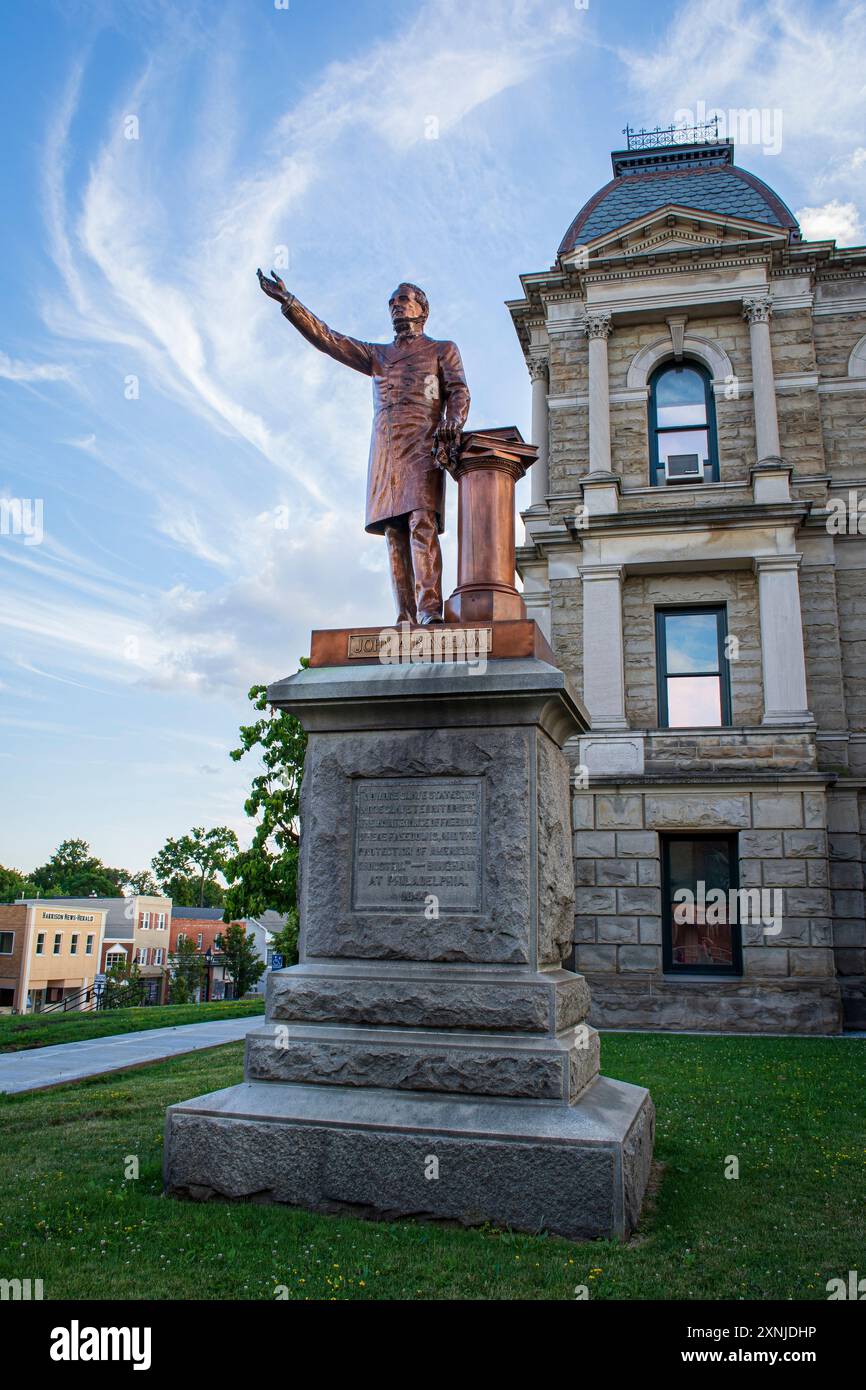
<point x="674" y="231"/>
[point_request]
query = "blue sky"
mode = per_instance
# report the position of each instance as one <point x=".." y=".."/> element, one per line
<point x="171" y="422"/>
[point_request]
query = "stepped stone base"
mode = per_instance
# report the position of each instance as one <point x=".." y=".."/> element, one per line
<point x="430" y="1056"/>
<point x="557" y="1068"/>
<point x="577" y="1171"/>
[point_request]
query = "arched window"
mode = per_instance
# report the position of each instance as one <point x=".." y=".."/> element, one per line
<point x="682" y="425"/>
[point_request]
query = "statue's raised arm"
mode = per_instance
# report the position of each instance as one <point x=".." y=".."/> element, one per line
<point x="420" y="403"/>
<point x="350" y="351"/>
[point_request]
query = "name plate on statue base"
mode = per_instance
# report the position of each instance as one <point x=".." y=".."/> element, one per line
<point x="408" y="643"/>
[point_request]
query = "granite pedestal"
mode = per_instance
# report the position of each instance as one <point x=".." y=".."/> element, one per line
<point x="429" y="1056"/>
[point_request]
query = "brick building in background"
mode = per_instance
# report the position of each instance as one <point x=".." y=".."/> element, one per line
<point x="699" y="398"/>
<point x="203" y="925"/>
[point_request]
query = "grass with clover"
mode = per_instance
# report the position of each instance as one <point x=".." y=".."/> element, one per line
<point x="790" y="1110"/>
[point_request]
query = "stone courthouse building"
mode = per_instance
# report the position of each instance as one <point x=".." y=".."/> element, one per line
<point x="695" y="554"/>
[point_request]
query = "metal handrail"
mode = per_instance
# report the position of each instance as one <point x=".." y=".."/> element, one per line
<point x="671" y="135"/>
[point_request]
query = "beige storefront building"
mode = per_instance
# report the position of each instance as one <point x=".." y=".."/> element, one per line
<point x="48" y="952"/>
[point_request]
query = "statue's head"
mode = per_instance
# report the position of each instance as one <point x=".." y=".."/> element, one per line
<point x="408" y="306"/>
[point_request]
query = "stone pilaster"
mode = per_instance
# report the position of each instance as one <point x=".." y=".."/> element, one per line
<point x="756" y="312"/>
<point x="782" y="652"/>
<point x="539" y="373"/>
<point x="603" y="671"/>
<point x="598" y="327"/>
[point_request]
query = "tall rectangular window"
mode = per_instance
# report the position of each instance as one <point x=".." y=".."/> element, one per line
<point x="700" y="933"/>
<point x="40" y="943"/>
<point x="73" y="945"/>
<point x="682" y="425"/>
<point x="7" y="942"/>
<point x="57" y="939"/>
<point x="88" y="946"/>
<point x="692" y="668"/>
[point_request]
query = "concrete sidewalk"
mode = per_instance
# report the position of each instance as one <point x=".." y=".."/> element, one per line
<point x="38" y="1067"/>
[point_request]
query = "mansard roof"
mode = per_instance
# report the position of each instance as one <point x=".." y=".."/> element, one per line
<point x="701" y="176"/>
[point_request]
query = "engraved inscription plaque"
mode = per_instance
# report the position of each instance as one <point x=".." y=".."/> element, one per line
<point x="414" y="836"/>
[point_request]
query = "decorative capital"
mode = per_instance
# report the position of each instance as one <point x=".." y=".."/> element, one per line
<point x="758" y="309"/>
<point x="598" y="324"/>
<point x="539" y="366"/>
<point x="502" y="450"/>
<point x="762" y="564"/>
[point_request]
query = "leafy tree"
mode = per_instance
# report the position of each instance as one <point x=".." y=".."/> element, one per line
<point x="14" y="884"/>
<point x="266" y="875"/>
<point x="199" y="856"/>
<point x="124" y="988"/>
<point x="188" y="970"/>
<point x="186" y="892"/>
<point x="242" y="964"/>
<point x="73" y="872"/>
<point x="285" y="941"/>
<point x="142" y="881"/>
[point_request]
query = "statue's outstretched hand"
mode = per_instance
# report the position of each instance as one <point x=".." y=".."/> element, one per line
<point x="273" y="288"/>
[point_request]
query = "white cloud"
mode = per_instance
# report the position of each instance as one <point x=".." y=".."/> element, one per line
<point x="460" y="56"/>
<point x="13" y="370"/>
<point x="157" y="263"/>
<point x="804" y="62"/>
<point x="835" y="221"/>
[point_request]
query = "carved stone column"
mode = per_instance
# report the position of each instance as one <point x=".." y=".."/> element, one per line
<point x="598" y="326"/>
<point x="756" y="312"/>
<point x="539" y="373"/>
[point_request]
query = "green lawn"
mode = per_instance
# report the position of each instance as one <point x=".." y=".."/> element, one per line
<point x="42" y="1030"/>
<point x="790" y="1109"/>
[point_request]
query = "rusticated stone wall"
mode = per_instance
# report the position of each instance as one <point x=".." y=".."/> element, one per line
<point x="782" y="834"/>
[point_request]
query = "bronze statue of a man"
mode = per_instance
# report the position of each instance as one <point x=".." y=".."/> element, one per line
<point x="420" y="403"/>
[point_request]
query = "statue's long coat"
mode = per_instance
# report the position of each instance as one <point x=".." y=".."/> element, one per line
<point x="416" y="383"/>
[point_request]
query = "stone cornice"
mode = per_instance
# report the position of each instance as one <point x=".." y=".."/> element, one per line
<point x="712" y="263"/>
<point x="745" y="779"/>
<point x="855" y="305"/>
<point x="821" y="261"/>
<point x="722" y="517"/>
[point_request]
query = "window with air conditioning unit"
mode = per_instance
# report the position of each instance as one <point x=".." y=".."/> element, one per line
<point x="682" y="425"/>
